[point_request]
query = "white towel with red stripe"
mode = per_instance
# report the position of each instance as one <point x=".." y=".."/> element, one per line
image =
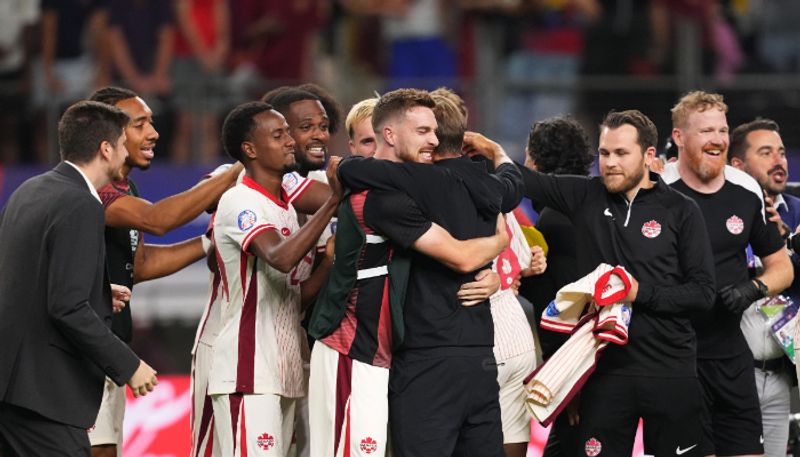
<point x="588" y="308"/>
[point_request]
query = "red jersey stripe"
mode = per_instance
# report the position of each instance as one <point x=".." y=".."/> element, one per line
<point x="245" y="367"/>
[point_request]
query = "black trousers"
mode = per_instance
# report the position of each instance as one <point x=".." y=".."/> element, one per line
<point x="24" y="433"/>
<point x="445" y="405"/>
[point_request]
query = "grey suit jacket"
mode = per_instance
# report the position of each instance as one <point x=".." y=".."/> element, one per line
<point x="55" y="301"/>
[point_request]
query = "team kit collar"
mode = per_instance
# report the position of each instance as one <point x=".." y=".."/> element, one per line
<point x="283" y="202"/>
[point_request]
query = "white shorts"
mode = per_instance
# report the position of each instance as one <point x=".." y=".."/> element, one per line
<point x="202" y="411"/>
<point x="261" y="423"/>
<point x="302" y="431"/>
<point x="510" y="374"/>
<point x="357" y="417"/>
<point x="107" y="428"/>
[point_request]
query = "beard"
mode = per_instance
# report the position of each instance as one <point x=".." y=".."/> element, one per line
<point x="704" y="170"/>
<point x="294" y="166"/>
<point x="142" y="167"/>
<point x="772" y="187"/>
<point x="303" y="164"/>
<point x="622" y="184"/>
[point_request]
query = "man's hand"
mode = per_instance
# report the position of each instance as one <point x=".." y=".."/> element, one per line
<point x="477" y="144"/>
<point x="737" y="297"/>
<point x="330" y="247"/>
<point x="631" y="297"/>
<point x="333" y="178"/>
<point x="657" y="166"/>
<point x="120" y="296"/>
<point x="572" y="410"/>
<point x="486" y="283"/>
<point x="538" y="262"/>
<point x="773" y="216"/>
<point x="143" y="380"/>
<point x="516" y="285"/>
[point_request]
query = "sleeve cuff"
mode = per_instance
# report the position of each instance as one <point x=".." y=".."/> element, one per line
<point x="252" y="235"/>
<point x="415" y="234"/>
<point x="645" y="294"/>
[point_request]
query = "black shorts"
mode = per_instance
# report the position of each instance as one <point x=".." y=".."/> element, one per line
<point x="445" y="405"/>
<point x="731" y="411"/>
<point x="670" y="408"/>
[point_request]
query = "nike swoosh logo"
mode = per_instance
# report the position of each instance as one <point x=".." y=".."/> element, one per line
<point x="607" y="212"/>
<point x="679" y="451"/>
<point x="761" y="439"/>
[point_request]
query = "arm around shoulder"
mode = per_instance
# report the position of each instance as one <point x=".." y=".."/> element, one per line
<point x="165" y="215"/>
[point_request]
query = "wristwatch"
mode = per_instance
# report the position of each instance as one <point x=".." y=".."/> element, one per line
<point x="762" y="288"/>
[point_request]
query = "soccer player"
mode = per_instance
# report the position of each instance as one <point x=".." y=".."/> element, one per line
<point x="129" y="259"/>
<point x="313" y="116"/>
<point x="757" y="149"/>
<point x="358" y="317"/>
<point x="446" y="351"/>
<point x="629" y="217"/>
<point x="257" y="369"/>
<point x="733" y="208"/>
<point x="358" y="124"/>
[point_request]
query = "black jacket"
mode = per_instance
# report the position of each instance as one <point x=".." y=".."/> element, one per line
<point x="464" y="198"/>
<point x="55" y="305"/>
<point x="660" y="238"/>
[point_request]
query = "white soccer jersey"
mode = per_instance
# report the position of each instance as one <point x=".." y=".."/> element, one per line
<point x="258" y="349"/>
<point x="294" y="185"/>
<point x="551" y="386"/>
<point x="512" y="333"/>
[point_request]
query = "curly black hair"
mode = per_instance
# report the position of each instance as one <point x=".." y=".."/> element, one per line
<point x="111" y="95"/>
<point x="559" y="145"/>
<point x="280" y="98"/>
<point x="332" y="107"/>
<point x="239" y="125"/>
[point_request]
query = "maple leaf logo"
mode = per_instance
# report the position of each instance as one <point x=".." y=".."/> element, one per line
<point x="265" y="441"/>
<point x="368" y="445"/>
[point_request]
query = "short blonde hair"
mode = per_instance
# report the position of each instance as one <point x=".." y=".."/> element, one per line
<point x="360" y="111"/>
<point x="695" y="101"/>
<point x="449" y="94"/>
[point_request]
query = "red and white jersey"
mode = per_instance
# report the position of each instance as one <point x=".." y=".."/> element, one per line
<point x="294" y="184"/>
<point x="258" y="348"/>
<point x="208" y="328"/>
<point x="551" y="386"/>
<point x="512" y="334"/>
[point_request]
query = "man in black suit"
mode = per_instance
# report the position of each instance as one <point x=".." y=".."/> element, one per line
<point x="55" y="299"/>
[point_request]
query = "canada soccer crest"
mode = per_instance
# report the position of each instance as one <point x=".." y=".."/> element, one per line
<point x="651" y="229"/>
<point x="368" y="445"/>
<point x="735" y="224"/>
<point x="593" y="447"/>
<point x="265" y="441"/>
